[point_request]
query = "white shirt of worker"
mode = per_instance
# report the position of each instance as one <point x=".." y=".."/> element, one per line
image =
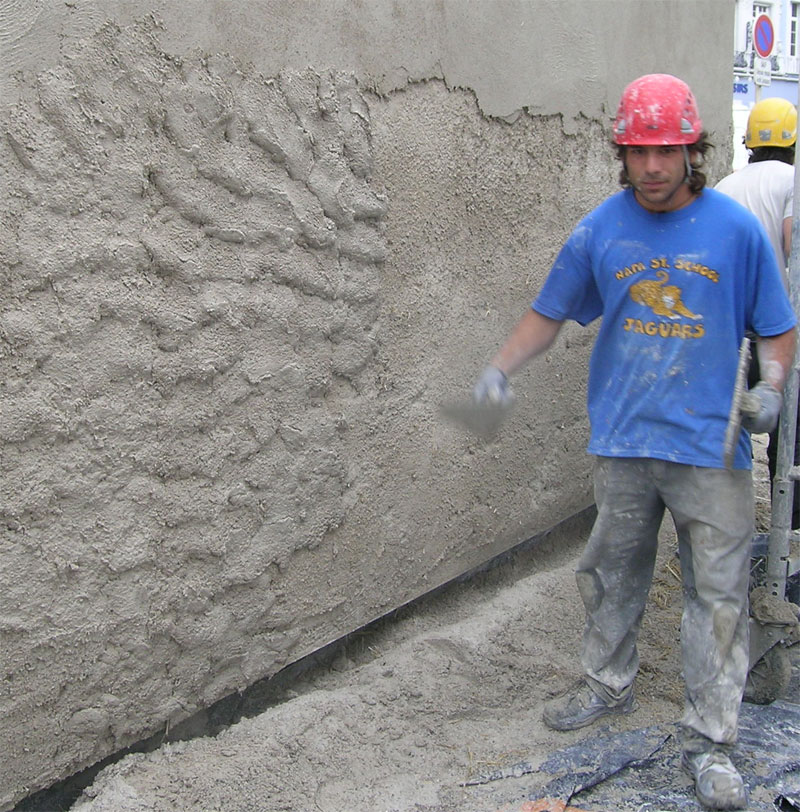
<point x="767" y="189"/>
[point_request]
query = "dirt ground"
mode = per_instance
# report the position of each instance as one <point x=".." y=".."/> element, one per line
<point x="409" y="711"/>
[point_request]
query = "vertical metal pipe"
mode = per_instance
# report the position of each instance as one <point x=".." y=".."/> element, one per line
<point x="783" y="485"/>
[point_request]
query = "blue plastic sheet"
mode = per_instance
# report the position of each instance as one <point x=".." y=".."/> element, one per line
<point x="640" y="770"/>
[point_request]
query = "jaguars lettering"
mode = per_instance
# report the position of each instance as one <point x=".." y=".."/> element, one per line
<point x="665" y="329"/>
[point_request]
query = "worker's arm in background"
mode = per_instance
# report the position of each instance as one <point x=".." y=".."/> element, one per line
<point x="533" y="334"/>
<point x="787" y="238"/>
<point x="775" y="358"/>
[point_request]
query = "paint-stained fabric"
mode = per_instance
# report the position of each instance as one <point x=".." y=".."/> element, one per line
<point x="676" y="292"/>
<point x="713" y="514"/>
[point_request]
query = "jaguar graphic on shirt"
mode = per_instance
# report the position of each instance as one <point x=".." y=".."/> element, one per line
<point x="661" y="298"/>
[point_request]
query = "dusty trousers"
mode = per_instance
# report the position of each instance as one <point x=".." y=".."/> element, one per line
<point x="713" y="514"/>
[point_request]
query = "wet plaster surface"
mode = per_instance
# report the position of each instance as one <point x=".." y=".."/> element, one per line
<point x="236" y="284"/>
<point x="231" y="304"/>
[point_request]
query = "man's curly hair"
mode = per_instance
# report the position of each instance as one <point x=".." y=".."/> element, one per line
<point x="697" y="151"/>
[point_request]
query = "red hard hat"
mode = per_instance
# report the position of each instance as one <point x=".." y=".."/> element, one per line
<point x="657" y="109"/>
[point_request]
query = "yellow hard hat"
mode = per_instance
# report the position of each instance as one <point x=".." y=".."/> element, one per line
<point x="772" y="123"/>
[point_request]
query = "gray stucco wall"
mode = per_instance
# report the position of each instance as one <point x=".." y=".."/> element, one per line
<point x="249" y="248"/>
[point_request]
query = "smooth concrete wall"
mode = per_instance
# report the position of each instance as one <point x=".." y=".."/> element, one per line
<point x="249" y="248"/>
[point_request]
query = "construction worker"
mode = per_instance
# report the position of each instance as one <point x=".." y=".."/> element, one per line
<point x="678" y="273"/>
<point x="765" y="185"/>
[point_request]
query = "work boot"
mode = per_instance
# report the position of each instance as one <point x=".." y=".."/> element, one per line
<point x="717" y="782"/>
<point x="580" y="706"/>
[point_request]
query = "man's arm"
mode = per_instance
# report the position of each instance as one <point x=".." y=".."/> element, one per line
<point x="787" y="238"/>
<point x="533" y="335"/>
<point x="775" y="357"/>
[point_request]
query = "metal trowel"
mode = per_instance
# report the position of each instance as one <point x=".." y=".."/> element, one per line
<point x="743" y="403"/>
<point x="483" y="419"/>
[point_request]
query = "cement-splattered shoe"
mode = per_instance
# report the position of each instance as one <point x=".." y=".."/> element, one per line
<point x="580" y="706"/>
<point x="717" y="782"/>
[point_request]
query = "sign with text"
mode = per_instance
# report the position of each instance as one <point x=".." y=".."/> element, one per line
<point x="762" y="72"/>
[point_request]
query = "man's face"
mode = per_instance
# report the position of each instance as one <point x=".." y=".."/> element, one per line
<point x="657" y="175"/>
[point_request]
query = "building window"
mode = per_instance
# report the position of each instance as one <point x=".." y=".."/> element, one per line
<point x="793" y="23"/>
<point x="761" y="8"/>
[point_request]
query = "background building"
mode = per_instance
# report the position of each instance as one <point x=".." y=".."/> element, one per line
<point x="783" y="62"/>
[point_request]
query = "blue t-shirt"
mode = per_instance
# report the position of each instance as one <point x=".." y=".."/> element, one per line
<point x="677" y="291"/>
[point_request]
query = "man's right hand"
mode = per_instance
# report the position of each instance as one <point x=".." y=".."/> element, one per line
<point x="493" y="388"/>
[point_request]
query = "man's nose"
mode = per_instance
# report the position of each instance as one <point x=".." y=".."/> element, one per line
<point x="651" y="162"/>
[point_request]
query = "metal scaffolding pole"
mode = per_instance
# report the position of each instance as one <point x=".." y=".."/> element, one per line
<point x="780" y="564"/>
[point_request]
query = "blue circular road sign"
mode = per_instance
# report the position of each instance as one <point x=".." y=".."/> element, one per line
<point x="763" y="36"/>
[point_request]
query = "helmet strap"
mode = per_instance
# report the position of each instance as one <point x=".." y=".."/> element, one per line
<point x="688" y="163"/>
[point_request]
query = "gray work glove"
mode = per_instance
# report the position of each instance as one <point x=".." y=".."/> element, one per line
<point x="770" y="402"/>
<point x="493" y="388"/>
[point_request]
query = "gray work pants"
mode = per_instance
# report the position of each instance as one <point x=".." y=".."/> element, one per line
<point x="713" y="513"/>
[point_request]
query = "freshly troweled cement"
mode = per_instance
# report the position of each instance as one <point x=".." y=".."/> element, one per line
<point x="249" y="248"/>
